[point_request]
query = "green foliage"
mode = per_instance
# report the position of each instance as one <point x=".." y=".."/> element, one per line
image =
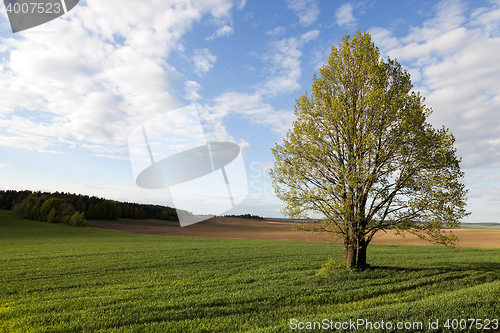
<point x="105" y="210"/>
<point x="28" y="204"/>
<point x="48" y="206"/>
<point x="332" y="266"/>
<point x="44" y="208"/>
<point x="29" y="207"/>
<point x="78" y="220"/>
<point x="362" y="155"/>
<point x="19" y="208"/>
<point x="60" y="279"/>
<point x="52" y="217"/>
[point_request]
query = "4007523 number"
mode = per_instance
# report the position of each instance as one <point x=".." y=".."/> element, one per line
<point x="462" y="324"/>
<point x="34" y="7"/>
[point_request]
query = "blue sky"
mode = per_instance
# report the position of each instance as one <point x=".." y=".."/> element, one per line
<point x="73" y="89"/>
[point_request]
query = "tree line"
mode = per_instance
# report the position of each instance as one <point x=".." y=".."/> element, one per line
<point x="73" y="209"/>
<point x="246" y="216"/>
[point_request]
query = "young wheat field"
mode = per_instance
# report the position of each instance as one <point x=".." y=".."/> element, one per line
<point x="56" y="278"/>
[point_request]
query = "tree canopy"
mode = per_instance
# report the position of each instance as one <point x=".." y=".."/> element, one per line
<point x="362" y="155"/>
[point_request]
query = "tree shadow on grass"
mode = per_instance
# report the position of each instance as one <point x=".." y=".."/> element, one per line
<point x="443" y="266"/>
<point x="469" y="273"/>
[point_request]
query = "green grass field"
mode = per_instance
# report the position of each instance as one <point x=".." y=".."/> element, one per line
<point x="56" y="278"/>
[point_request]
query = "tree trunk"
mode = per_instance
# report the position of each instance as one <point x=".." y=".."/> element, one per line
<point x="362" y="254"/>
<point x="350" y="255"/>
<point x="355" y="254"/>
<point x="346" y="246"/>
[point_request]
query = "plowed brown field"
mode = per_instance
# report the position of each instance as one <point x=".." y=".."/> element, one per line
<point x="236" y="228"/>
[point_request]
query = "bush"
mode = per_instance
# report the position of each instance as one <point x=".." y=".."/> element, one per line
<point x="332" y="266"/>
<point x="78" y="220"/>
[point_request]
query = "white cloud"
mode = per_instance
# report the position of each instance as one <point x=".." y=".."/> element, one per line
<point x="449" y="16"/>
<point x="192" y="88"/>
<point x="116" y="157"/>
<point x="4" y="165"/>
<point x="213" y="123"/>
<point x="221" y="12"/>
<point x="445" y="44"/>
<point x="250" y="106"/>
<point x="285" y="70"/>
<point x="383" y="38"/>
<point x="310" y="35"/>
<point x="278" y="31"/>
<point x="488" y="19"/>
<point x="482" y="177"/>
<point x="344" y="17"/>
<point x="203" y="60"/>
<point x="455" y="59"/>
<point x="306" y="10"/>
<point x="284" y="74"/>
<point x="29" y="142"/>
<point x="241" y="5"/>
<point x="225" y="30"/>
<point x="283" y="77"/>
<point x="319" y="55"/>
<point x="100" y="76"/>
<point x="284" y="57"/>
<point x="219" y="9"/>
<point x="248" y="16"/>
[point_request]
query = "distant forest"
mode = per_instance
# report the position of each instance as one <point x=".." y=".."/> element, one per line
<point x="246" y="216"/>
<point x="73" y="209"/>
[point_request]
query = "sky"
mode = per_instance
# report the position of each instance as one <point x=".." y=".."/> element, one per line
<point x="73" y="90"/>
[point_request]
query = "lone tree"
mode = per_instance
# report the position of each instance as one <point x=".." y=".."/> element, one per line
<point x="362" y="154"/>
